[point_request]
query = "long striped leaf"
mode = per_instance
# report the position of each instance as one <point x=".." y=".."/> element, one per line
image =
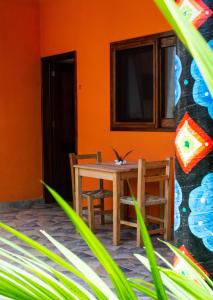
<point x="192" y="268"/>
<point x="120" y="282"/>
<point x="8" y="289"/>
<point x="193" y="288"/>
<point x="78" y="290"/>
<point x="16" y="285"/>
<point x="143" y="289"/>
<point x="160" y="290"/>
<point x="29" y="281"/>
<point x="148" y="284"/>
<point x="178" y="291"/>
<point x="82" y="267"/>
<point x="54" y="257"/>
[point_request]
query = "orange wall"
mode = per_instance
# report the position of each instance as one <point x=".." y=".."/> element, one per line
<point x="88" y="27"/>
<point x="20" y="121"/>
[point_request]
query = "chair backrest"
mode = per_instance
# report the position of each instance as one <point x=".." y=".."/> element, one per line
<point x="75" y="158"/>
<point x="155" y="171"/>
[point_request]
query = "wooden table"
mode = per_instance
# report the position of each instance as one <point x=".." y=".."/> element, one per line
<point x="115" y="173"/>
<point x="107" y="171"/>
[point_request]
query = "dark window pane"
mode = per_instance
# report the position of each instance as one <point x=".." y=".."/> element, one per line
<point x="168" y="82"/>
<point x="134" y="84"/>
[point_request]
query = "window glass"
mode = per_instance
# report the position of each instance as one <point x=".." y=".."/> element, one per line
<point x="134" y="84"/>
<point x="168" y="82"/>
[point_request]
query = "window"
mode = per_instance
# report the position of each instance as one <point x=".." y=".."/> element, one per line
<point x="143" y="83"/>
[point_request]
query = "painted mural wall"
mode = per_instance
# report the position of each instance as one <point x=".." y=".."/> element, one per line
<point x="194" y="144"/>
<point x="20" y="121"/>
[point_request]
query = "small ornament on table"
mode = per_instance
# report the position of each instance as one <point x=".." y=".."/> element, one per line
<point x="120" y="160"/>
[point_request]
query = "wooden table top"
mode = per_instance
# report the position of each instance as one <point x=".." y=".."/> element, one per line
<point x="129" y="166"/>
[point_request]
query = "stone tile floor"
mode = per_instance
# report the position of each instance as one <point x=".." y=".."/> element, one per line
<point x="52" y="219"/>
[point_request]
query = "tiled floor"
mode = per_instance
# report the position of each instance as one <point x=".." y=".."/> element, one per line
<point x="53" y="220"/>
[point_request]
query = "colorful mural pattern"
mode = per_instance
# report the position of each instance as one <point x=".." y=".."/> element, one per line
<point x="178" y="71"/>
<point x="195" y="10"/>
<point x="201" y="217"/>
<point x="180" y="267"/>
<point x="178" y="201"/>
<point x="194" y="165"/>
<point x="201" y="94"/>
<point x="192" y="143"/>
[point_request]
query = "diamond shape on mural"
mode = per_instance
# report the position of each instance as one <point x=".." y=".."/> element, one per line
<point x="195" y="10"/>
<point x="192" y="143"/>
<point x="179" y="264"/>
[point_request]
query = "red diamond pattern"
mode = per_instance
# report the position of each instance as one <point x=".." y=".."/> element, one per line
<point x="192" y="143"/>
<point x="195" y="10"/>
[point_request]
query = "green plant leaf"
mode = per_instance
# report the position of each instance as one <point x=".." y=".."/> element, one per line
<point x="120" y="282"/>
<point x="164" y="260"/>
<point x="45" y="288"/>
<point x="17" y="286"/>
<point x="143" y="283"/>
<point x="28" y="280"/>
<point x="54" y="257"/>
<point x="192" y="268"/>
<point x="193" y="288"/>
<point x="82" y="267"/>
<point x="160" y="290"/>
<point x="60" y="290"/>
<point x="8" y="289"/>
<point x="178" y="291"/>
<point x="191" y="38"/>
<point x="143" y="289"/>
<point x="78" y="290"/>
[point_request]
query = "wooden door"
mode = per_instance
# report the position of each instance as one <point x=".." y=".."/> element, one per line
<point x="59" y="121"/>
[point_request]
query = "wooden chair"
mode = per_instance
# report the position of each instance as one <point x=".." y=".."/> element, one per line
<point x="90" y="195"/>
<point x="160" y="173"/>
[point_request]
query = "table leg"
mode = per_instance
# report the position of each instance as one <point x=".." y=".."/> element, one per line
<point x="116" y="209"/>
<point x="124" y="208"/>
<point x="78" y="198"/>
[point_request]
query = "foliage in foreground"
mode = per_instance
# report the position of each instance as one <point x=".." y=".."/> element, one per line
<point x="24" y="276"/>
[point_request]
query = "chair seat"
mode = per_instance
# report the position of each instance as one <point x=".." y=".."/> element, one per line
<point x="149" y="200"/>
<point x="97" y="194"/>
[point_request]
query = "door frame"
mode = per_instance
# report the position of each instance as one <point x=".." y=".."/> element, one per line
<point x="46" y="98"/>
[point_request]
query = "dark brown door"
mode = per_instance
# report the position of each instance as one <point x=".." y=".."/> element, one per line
<point x="59" y="121"/>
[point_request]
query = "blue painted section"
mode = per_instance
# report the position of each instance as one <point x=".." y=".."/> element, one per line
<point x="178" y="201"/>
<point x="200" y="93"/>
<point x="201" y="217"/>
<point x="178" y="70"/>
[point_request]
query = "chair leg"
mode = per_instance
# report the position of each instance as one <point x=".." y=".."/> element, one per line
<point x="139" y="238"/>
<point x="102" y="209"/>
<point x="167" y="229"/>
<point x="90" y="213"/>
<point x="167" y="211"/>
<point x="162" y="213"/>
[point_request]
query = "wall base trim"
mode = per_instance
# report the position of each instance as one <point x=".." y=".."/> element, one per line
<point x="22" y="204"/>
